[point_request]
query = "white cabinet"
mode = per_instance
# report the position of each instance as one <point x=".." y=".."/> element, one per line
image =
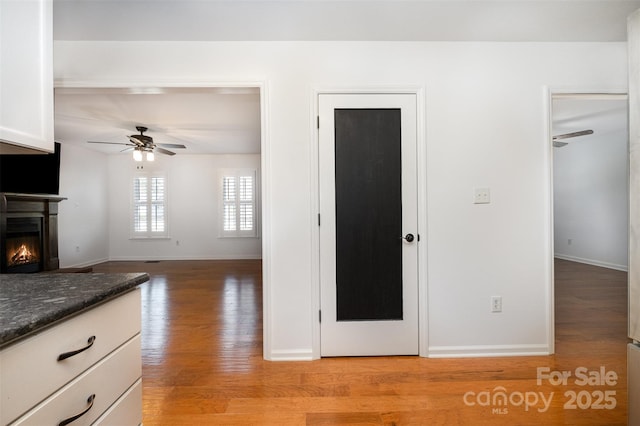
<point x="104" y="380"/>
<point x="26" y="74"/>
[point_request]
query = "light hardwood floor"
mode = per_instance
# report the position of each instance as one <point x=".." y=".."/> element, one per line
<point x="202" y="361"/>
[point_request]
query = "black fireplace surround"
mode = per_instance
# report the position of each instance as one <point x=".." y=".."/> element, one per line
<point x="28" y="232"/>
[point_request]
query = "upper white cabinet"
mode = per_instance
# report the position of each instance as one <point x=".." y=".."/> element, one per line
<point x="26" y="74"/>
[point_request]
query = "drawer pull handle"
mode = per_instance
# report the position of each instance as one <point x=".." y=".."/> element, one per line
<point x="76" y="352"/>
<point x="77" y="416"/>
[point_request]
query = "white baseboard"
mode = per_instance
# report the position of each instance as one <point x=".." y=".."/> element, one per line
<point x="476" y="351"/>
<point x="434" y="352"/>
<point x="147" y="258"/>
<point x="623" y="268"/>
<point x="84" y="264"/>
<point x="290" y="355"/>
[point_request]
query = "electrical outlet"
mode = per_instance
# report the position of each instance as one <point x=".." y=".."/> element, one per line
<point x="481" y="196"/>
<point x="496" y="304"/>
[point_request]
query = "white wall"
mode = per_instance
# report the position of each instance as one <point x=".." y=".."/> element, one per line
<point x="83" y="231"/>
<point x="486" y="126"/>
<point x="94" y="220"/>
<point x="591" y="208"/>
<point x="193" y="192"/>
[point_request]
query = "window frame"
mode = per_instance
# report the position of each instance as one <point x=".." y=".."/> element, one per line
<point x="149" y="203"/>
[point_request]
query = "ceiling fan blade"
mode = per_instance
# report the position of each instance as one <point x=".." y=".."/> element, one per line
<point x="135" y="141"/>
<point x="110" y="143"/>
<point x="164" y="151"/>
<point x="171" y="145"/>
<point x="573" y="134"/>
<point x="144" y="143"/>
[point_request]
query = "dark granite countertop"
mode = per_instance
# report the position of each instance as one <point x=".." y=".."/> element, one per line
<point x="29" y="302"/>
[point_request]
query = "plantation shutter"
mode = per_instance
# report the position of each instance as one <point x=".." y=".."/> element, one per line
<point x="229" y="200"/>
<point x="246" y="203"/>
<point x="157" y="204"/>
<point x="140" y="204"/>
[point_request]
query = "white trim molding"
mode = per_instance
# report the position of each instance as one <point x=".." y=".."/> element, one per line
<point x="292" y="355"/>
<point x="592" y="262"/>
<point x="549" y="94"/>
<point x="474" y="351"/>
<point x="419" y="91"/>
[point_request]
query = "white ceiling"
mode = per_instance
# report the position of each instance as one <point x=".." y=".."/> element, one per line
<point x="421" y="20"/>
<point x="606" y="115"/>
<point x="205" y="120"/>
<point x="228" y="120"/>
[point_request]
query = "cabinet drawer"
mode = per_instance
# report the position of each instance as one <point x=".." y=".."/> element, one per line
<point x="107" y="380"/>
<point x="30" y="367"/>
<point x="126" y="411"/>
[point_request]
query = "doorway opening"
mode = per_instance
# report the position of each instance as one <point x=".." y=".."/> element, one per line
<point x="209" y="131"/>
<point x="590" y="204"/>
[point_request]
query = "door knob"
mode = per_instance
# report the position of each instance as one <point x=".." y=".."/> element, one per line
<point x="408" y="238"/>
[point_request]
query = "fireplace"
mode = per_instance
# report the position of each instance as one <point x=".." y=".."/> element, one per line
<point x="23" y="245"/>
<point x="28" y="233"/>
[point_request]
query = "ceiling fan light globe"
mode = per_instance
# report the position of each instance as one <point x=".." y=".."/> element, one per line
<point x="150" y="156"/>
<point x="137" y="155"/>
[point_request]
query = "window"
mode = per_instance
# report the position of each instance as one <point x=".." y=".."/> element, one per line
<point x="149" y="206"/>
<point x="238" y="203"/>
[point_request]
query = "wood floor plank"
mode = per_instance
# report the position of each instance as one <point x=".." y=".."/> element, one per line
<point x="203" y="364"/>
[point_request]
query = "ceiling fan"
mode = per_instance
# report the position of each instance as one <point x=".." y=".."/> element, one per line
<point x="144" y="144"/>
<point x="558" y="144"/>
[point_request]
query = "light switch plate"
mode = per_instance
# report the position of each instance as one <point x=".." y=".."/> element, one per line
<point x="481" y="196"/>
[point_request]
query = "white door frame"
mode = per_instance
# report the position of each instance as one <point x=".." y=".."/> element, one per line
<point x="418" y="91"/>
<point x="549" y="93"/>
